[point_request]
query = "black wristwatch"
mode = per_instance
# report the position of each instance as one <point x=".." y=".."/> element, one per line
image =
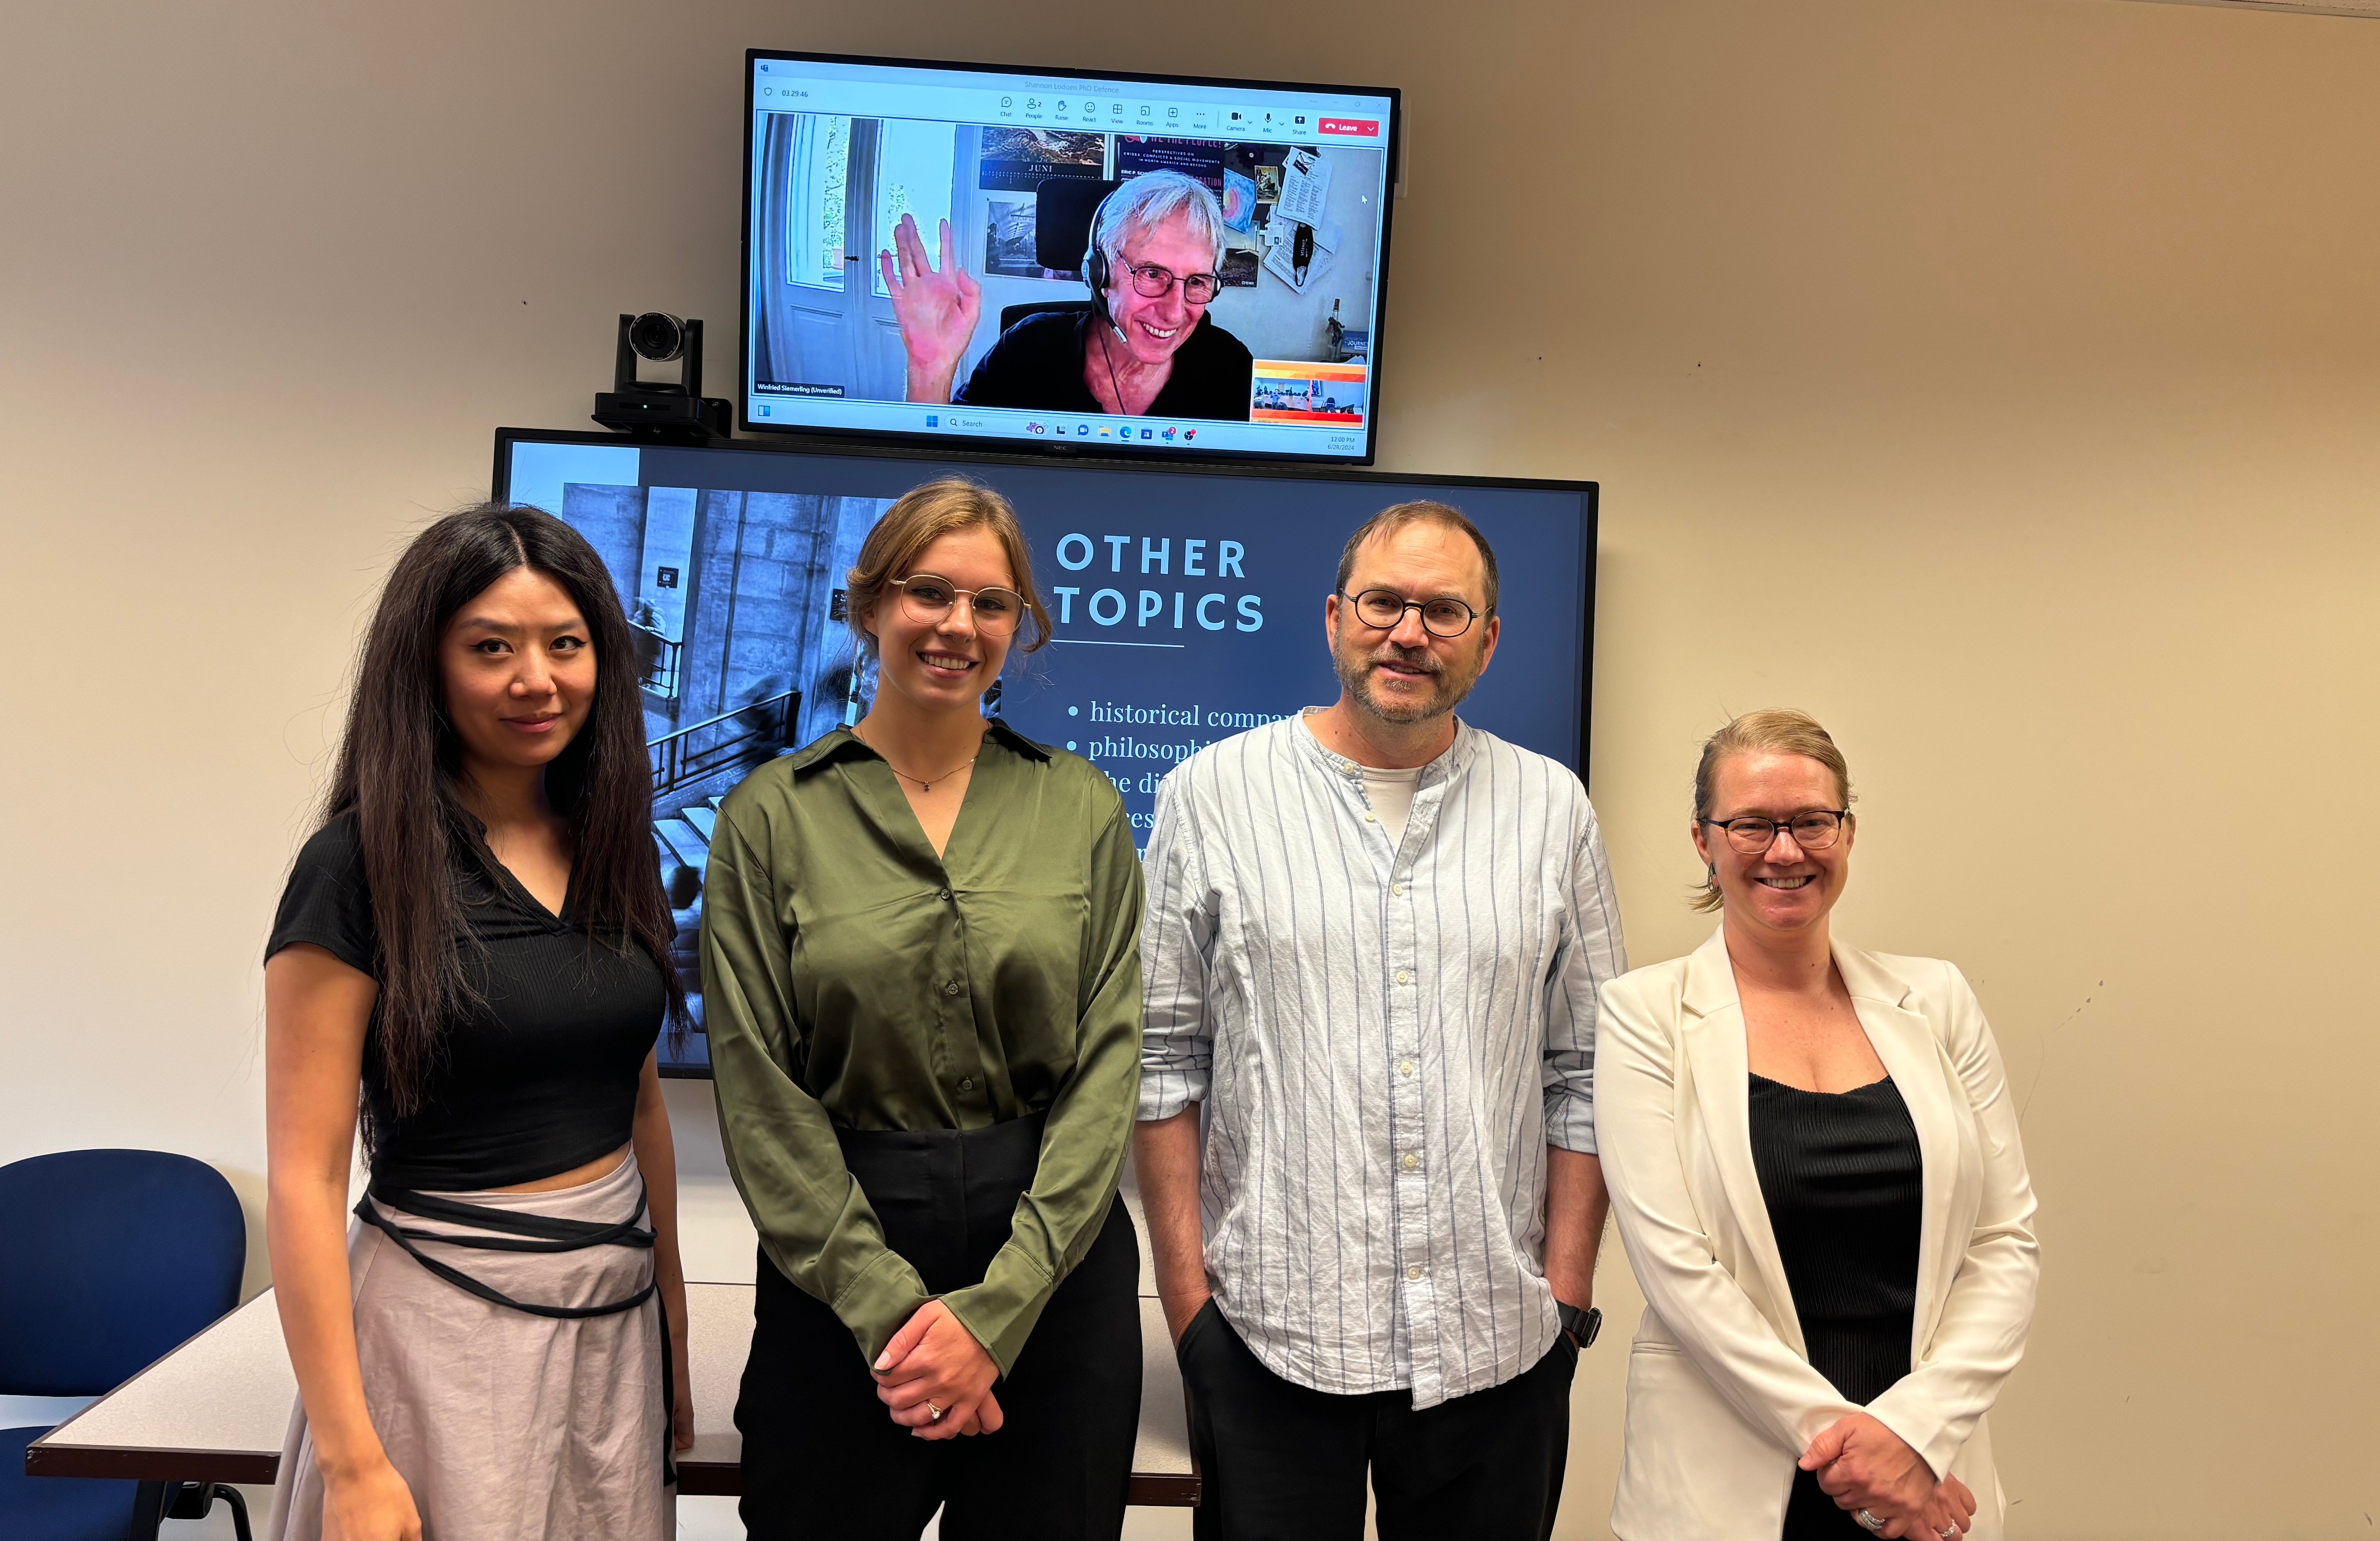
<point x="1581" y="1325"/>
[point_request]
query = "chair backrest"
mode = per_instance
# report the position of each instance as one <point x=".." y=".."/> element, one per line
<point x="1063" y="207"/>
<point x="1011" y="315"/>
<point x="111" y="1258"/>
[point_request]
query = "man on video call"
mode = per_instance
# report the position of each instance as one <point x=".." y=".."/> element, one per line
<point x="1146" y="348"/>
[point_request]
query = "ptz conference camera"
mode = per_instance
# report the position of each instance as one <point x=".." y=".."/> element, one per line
<point x="661" y="410"/>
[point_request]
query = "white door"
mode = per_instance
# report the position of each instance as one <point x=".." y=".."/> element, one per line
<point x="913" y="170"/>
<point x="809" y="295"/>
<point x="845" y="183"/>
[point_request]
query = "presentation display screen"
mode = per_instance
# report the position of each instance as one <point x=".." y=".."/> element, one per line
<point x="1033" y="259"/>
<point x="1186" y="605"/>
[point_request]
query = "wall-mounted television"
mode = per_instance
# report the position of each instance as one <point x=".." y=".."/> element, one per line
<point x="1064" y="262"/>
<point x="1186" y="602"/>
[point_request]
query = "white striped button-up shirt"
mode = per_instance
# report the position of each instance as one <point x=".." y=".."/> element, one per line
<point x="1386" y="1039"/>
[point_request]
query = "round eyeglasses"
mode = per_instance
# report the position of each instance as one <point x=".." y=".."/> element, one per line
<point x="928" y="597"/>
<point x="1813" y="830"/>
<point x="1151" y="281"/>
<point x="1384" y="609"/>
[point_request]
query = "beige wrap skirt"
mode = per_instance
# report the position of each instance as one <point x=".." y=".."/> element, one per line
<point x="506" y="1424"/>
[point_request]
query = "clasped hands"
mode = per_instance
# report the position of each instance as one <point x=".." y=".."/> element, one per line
<point x="934" y="1361"/>
<point x="1863" y="1465"/>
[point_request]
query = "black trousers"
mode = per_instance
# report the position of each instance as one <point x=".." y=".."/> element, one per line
<point x="1282" y="1461"/>
<point x="821" y="1455"/>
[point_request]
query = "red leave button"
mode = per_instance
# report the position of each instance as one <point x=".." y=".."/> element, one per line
<point x="1360" y="127"/>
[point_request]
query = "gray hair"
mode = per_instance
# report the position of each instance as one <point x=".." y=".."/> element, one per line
<point x="1149" y="200"/>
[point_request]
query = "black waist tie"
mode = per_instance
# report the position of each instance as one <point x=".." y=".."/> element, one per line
<point x="527" y="1232"/>
<point x="946" y="1197"/>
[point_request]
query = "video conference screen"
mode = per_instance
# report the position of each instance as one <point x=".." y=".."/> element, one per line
<point x="1174" y="267"/>
<point x="1186" y="606"/>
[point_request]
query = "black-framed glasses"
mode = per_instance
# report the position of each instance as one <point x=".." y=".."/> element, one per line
<point x="928" y="597"/>
<point x="1384" y="609"/>
<point x="1813" y="830"/>
<point x="1151" y="281"/>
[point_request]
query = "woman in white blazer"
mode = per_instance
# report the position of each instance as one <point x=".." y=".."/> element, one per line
<point x="1815" y="1169"/>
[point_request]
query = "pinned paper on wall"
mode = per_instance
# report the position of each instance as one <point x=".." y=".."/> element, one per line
<point x="1287" y="241"/>
<point x="1305" y="186"/>
<point x="1239" y="200"/>
<point x="1008" y="239"/>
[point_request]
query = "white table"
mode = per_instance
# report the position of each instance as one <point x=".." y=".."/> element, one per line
<point x="218" y="1408"/>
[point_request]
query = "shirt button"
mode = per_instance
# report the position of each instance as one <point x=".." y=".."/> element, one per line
<point x="1398" y="890"/>
<point x="1413" y="1163"/>
<point x="967" y="1084"/>
<point x="1369" y="820"/>
<point x="950" y="988"/>
<point x="945" y="894"/>
<point x="1405" y="977"/>
<point x="1413" y="1272"/>
<point x="1404" y="1067"/>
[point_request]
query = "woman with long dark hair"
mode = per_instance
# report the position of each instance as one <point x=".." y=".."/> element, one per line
<point x="473" y="949"/>
<point x="921" y="977"/>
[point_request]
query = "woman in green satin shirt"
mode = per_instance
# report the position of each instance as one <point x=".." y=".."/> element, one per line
<point x="921" y="980"/>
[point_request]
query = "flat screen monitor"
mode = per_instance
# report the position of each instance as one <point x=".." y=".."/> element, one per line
<point x="1187" y="603"/>
<point x="1063" y="262"/>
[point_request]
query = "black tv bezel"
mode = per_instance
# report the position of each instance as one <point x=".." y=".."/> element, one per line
<point x="846" y="437"/>
<point x="1589" y="492"/>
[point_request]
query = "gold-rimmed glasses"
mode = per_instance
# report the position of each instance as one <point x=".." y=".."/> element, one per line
<point x="928" y="598"/>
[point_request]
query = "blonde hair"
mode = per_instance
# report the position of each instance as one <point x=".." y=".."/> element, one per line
<point x="918" y="518"/>
<point x="1778" y="730"/>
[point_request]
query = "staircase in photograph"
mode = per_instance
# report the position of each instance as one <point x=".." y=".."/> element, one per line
<point x="686" y="835"/>
<point x="734" y="741"/>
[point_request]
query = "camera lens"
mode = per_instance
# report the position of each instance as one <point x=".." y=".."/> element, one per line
<point x="657" y="335"/>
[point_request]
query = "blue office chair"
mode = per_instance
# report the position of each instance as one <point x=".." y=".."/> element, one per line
<point x="115" y="1257"/>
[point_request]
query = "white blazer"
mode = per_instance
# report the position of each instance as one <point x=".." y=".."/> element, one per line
<point x="1721" y="1398"/>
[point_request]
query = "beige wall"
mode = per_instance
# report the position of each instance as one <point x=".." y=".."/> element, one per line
<point x="1997" y="378"/>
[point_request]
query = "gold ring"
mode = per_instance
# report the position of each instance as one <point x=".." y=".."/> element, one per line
<point x="935" y="1411"/>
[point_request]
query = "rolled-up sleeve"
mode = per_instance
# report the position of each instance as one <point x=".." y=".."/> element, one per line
<point x="1591" y="955"/>
<point x="814" y="1221"/>
<point x="1177" y="949"/>
<point x="1089" y="1122"/>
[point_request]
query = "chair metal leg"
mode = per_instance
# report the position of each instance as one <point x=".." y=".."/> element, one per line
<point x="194" y="1500"/>
<point x="238" y="1510"/>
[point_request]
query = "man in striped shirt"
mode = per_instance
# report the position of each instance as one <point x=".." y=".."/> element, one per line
<point x="1374" y="942"/>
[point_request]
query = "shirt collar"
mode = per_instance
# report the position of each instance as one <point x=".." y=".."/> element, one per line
<point x="842" y="741"/>
<point x="1445" y="767"/>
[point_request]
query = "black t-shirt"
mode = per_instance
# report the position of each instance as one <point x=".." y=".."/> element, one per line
<point x="1037" y="364"/>
<point x="539" y="1079"/>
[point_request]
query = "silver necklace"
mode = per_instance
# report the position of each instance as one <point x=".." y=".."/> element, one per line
<point x="923" y="785"/>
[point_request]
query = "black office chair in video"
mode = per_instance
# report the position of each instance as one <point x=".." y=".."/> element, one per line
<point x="1063" y="207"/>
